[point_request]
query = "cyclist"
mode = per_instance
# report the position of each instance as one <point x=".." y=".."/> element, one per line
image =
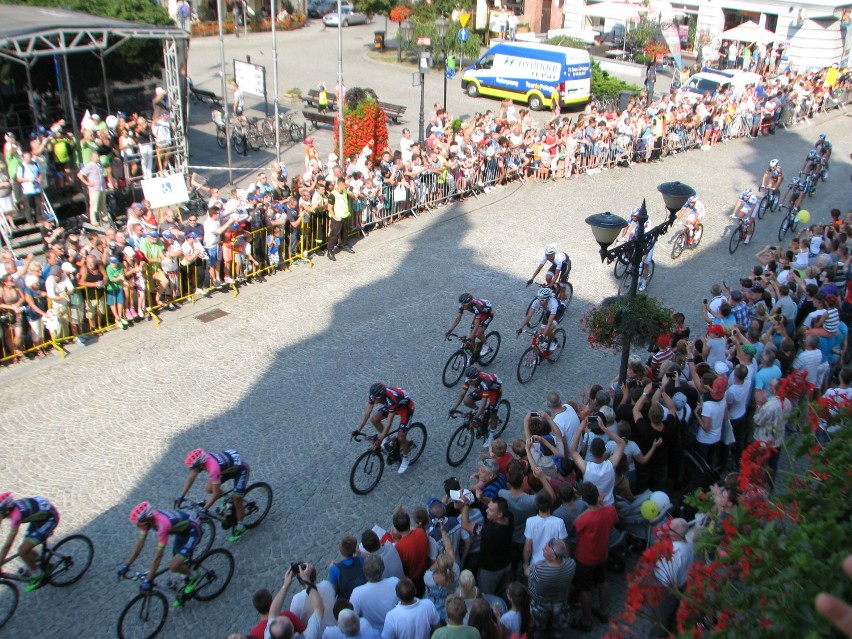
<point x="555" y="310"/>
<point x="392" y="402"/>
<point x="742" y="200"/>
<point x="632" y="230"/>
<point x="823" y="147"/>
<point x="693" y="213"/>
<point x="558" y="263"/>
<point x="485" y="388"/>
<point x="812" y="164"/>
<point x="773" y="177"/>
<point x="483" y="313"/>
<point x="747" y="211"/>
<point x="795" y="193"/>
<point x="42" y="518"/>
<point x="221" y="467"/>
<point x="185" y="529"/>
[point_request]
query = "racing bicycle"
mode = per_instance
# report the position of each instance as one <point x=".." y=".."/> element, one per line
<point x="368" y="468"/>
<point x="472" y="428"/>
<point x="685" y="238"/>
<point x="789" y="221"/>
<point x="145" y="615"/>
<point x="739" y="234"/>
<point x="63" y="564"/>
<point x="555" y="287"/>
<point x="624" y="284"/>
<point x="465" y="356"/>
<point x="256" y="504"/>
<point x="768" y="202"/>
<point x="538" y="352"/>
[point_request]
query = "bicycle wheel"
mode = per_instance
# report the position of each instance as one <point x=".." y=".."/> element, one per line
<point x="492" y="340"/>
<point x="620" y="266"/>
<point x="217" y="568"/>
<point x="785" y="224"/>
<point x="678" y="244"/>
<point x="255" y="139"/>
<point x="416" y="436"/>
<point x="238" y="140"/>
<point x="504" y="411"/>
<point x="774" y="201"/>
<point x="454" y="368"/>
<point x="267" y="131"/>
<point x="624" y="284"/>
<point x="296" y="132"/>
<point x="651" y="267"/>
<point x="256" y="503"/>
<point x="366" y="472"/>
<point x="8" y="601"/>
<point x="736" y="238"/>
<point x="794" y="221"/>
<point x="561" y="338"/>
<point x="569" y="293"/>
<point x="527" y="365"/>
<point x="208" y="536"/>
<point x="697" y="235"/>
<point x="220" y="138"/>
<point x="69" y="560"/>
<point x="144" y="616"/>
<point x="459" y="446"/>
<point x="761" y="208"/>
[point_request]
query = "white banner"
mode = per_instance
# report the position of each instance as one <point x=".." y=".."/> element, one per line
<point x="250" y="78"/>
<point x="165" y="191"/>
<point x="671" y="34"/>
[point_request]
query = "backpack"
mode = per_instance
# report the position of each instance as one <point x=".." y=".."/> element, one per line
<point x="184" y="10"/>
<point x="351" y="576"/>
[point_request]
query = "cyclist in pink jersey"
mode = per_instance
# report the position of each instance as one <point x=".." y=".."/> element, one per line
<point x="42" y="518"/>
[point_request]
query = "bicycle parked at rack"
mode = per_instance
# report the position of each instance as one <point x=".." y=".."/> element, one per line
<point x="789" y="221"/>
<point x="465" y="356"/>
<point x="472" y="428"/>
<point x="769" y="202"/>
<point x="238" y="138"/>
<point x="63" y="564"/>
<point x="289" y="130"/>
<point x="538" y="352"/>
<point x="256" y="504"/>
<point x="368" y="468"/>
<point x="145" y="614"/>
<point x="685" y="238"/>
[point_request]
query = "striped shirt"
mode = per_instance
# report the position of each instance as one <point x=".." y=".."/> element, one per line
<point x="832" y="320"/>
<point x="551" y="583"/>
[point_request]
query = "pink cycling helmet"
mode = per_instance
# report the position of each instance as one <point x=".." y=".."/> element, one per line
<point x="196" y="457"/>
<point x="6" y="500"/>
<point x="141" y="512"/>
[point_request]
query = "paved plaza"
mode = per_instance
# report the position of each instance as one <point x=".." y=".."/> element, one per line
<point x="283" y="376"/>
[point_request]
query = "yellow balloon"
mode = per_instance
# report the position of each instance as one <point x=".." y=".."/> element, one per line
<point x="650" y="510"/>
<point x="804" y="216"/>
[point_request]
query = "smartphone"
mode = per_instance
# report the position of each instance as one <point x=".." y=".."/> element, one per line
<point x="705" y="300"/>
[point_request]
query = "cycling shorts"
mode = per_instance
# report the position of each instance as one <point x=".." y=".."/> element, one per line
<point x="186" y="542"/>
<point x="563" y="272"/>
<point x="240" y="475"/>
<point x="493" y="396"/>
<point x="38" y="531"/>
<point x="403" y="412"/>
<point x="484" y="319"/>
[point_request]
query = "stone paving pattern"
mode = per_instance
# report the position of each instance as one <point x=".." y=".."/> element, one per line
<point x="283" y="377"/>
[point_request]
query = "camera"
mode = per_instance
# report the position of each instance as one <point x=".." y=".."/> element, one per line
<point x="297" y="567"/>
<point x="535" y="414"/>
<point x="438" y="521"/>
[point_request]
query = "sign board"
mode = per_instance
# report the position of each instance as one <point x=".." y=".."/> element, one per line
<point x="464" y="35"/>
<point x="251" y="78"/>
<point x="464" y="19"/>
<point x="424" y="41"/>
<point x="165" y="191"/>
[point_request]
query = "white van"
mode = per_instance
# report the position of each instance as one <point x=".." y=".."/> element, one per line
<point x="531" y="74"/>
<point x="712" y="81"/>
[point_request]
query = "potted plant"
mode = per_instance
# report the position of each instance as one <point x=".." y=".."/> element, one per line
<point x="616" y="319"/>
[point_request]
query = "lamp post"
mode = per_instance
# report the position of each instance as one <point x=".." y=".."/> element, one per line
<point x="606" y="227"/>
<point x="404" y="33"/>
<point x="441" y="29"/>
<point x="424" y="66"/>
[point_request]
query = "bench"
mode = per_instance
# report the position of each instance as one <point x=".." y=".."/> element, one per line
<point x="316" y="118"/>
<point x="313" y="100"/>
<point x="200" y="95"/>
<point x="393" y="111"/>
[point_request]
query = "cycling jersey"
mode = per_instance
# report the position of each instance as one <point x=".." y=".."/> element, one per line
<point x="227" y="465"/>
<point x="823" y="146"/>
<point x="695" y="213"/>
<point x="553" y="306"/>
<point x="39" y="513"/>
<point x="183" y="525"/>
<point x="485" y="385"/>
<point x="396" y="401"/>
<point x="561" y="262"/>
<point x="482" y="311"/>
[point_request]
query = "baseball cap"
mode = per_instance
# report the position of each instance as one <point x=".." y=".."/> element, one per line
<point x="716" y="330"/>
<point x="749" y="349"/>
<point x="152" y="234"/>
<point x="112" y="259"/>
<point x="192" y="234"/>
<point x="720" y="385"/>
<point x="168" y="233"/>
<point x="67" y="267"/>
<point x="720" y="368"/>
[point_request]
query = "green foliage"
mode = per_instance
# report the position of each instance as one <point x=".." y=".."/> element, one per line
<point x="607" y="87"/>
<point x="469" y="50"/>
<point x="646" y="31"/>
<point x="375" y="7"/>
<point x="426" y="12"/>
<point x="566" y="41"/>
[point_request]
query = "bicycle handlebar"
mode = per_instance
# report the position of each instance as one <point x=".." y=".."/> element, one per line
<point x="359" y="437"/>
<point x="461" y="338"/>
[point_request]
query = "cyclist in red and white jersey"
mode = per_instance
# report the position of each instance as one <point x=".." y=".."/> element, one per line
<point x="773" y="176"/>
<point x="42" y="518"/>
<point x="485" y="388"/>
<point x="555" y="310"/>
<point x="692" y="214"/>
<point x="220" y="467"/>
<point x="389" y="402"/>
<point x="483" y="313"/>
<point x="180" y="524"/>
<point x="559" y="263"/>
<point x="747" y="210"/>
<point x="741" y="201"/>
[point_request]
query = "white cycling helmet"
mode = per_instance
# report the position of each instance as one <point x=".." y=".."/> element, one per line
<point x="691" y="201"/>
<point x="550" y="249"/>
<point x="821" y="137"/>
<point x="746" y="194"/>
<point x="796" y="180"/>
<point x="544" y="294"/>
<point x="812" y="154"/>
<point x="773" y="164"/>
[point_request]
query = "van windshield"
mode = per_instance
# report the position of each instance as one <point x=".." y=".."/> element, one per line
<point x="701" y="85"/>
<point x="486" y="62"/>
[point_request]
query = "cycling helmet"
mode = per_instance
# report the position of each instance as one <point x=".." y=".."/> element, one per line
<point x="773" y="164"/>
<point x="377" y="390"/>
<point x="544" y="294"/>
<point x="195" y="458"/>
<point x="635" y="212"/>
<point x="821" y="137"/>
<point x="752" y="199"/>
<point x="746" y="194"/>
<point x="141" y="512"/>
<point x="465" y="298"/>
<point x="550" y="249"/>
<point x="471" y="372"/>
<point x="812" y="154"/>
<point x="691" y="201"/>
<point x="796" y="180"/>
<point x="6" y="500"/>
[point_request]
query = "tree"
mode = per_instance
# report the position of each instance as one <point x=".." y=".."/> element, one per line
<point x="374" y="7"/>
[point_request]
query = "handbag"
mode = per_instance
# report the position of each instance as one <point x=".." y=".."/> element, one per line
<point x="728" y="432"/>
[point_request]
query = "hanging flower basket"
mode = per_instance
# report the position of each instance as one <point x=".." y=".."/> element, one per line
<point x="643" y="322"/>
<point x="364" y="122"/>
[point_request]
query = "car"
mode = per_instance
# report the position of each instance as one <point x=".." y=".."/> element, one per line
<point x="320" y="8"/>
<point x="348" y="16"/>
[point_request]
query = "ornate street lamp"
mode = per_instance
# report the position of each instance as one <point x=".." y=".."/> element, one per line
<point x="442" y="26"/>
<point x="404" y="33"/>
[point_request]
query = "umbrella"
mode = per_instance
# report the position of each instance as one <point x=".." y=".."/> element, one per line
<point x="749" y="32"/>
<point x="621" y="11"/>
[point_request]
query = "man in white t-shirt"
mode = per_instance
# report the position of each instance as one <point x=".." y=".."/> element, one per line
<point x="376" y="598"/>
<point x="564" y="416"/>
<point x="411" y="618"/>
<point x="541" y="528"/>
<point x="599" y="471"/>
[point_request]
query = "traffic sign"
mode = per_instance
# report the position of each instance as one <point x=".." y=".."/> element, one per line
<point x="464" y="18"/>
<point x="464" y="35"/>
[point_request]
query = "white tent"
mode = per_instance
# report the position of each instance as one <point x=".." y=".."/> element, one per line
<point x="612" y="10"/>
<point x="749" y="32"/>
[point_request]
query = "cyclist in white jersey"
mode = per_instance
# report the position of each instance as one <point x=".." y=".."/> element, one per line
<point x="555" y="311"/>
<point x="559" y="263"/>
